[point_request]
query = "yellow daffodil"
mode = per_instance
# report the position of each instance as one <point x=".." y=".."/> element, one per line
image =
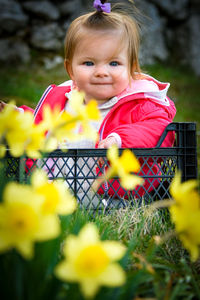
<point x="57" y="198"/>
<point x="59" y="125"/>
<point x="185" y="213"/>
<point x="84" y="114"/>
<point x="36" y="141"/>
<point x="181" y="191"/>
<point x="187" y="224"/>
<point x="15" y="129"/>
<point x="2" y="150"/>
<point x="62" y="126"/>
<point x="21" y="135"/>
<point x="92" y="111"/>
<point x="91" y="262"/>
<point x="22" y="222"/>
<point x="7" y="114"/>
<point x="122" y="166"/>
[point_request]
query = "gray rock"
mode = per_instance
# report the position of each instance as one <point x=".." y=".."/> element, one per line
<point x="171" y="28"/>
<point x="42" y="9"/>
<point x="153" y="46"/>
<point x="194" y="6"/>
<point x="13" y="51"/>
<point x="69" y="7"/>
<point x="50" y="63"/>
<point x="194" y="43"/>
<point x="180" y="44"/>
<point x="65" y="26"/>
<point x="47" y="37"/>
<point x="176" y="9"/>
<point x="187" y="44"/>
<point x="11" y="16"/>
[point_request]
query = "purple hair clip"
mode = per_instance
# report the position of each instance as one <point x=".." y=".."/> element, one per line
<point x="106" y="7"/>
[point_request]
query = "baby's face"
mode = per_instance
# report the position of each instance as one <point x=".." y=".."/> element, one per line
<point x="100" y="66"/>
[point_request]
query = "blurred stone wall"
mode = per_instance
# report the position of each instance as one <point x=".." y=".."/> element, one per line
<point x="171" y="30"/>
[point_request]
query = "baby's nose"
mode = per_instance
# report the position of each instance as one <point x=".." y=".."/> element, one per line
<point x="101" y="71"/>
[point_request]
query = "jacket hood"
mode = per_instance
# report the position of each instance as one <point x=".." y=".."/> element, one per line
<point x="149" y="87"/>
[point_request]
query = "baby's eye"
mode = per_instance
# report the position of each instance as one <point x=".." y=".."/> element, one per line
<point x="88" y="63"/>
<point x="114" y="63"/>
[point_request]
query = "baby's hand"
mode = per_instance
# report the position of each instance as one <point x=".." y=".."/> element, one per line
<point x="106" y="143"/>
<point x="2" y="105"/>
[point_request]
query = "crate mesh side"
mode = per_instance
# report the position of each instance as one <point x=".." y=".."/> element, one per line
<point x="80" y="167"/>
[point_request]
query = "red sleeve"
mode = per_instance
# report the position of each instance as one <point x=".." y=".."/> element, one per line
<point x="149" y="123"/>
<point x="53" y="96"/>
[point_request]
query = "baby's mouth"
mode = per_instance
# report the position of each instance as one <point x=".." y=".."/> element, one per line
<point x="101" y="83"/>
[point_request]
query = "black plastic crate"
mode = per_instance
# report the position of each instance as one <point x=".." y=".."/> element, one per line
<point x="79" y="168"/>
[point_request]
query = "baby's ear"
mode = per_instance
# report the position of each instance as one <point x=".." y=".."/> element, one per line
<point x="68" y="68"/>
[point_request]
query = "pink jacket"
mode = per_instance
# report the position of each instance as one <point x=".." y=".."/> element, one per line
<point x="138" y="118"/>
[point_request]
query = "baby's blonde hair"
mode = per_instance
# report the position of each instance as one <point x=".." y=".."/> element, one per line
<point x="99" y="21"/>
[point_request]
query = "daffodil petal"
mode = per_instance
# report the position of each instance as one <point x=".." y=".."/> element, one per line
<point x="49" y="227"/>
<point x="114" y="249"/>
<point x="89" y="234"/>
<point x="65" y="271"/>
<point x="89" y="288"/>
<point x="129" y="161"/>
<point x="76" y="100"/>
<point x="178" y="189"/>
<point x="68" y="204"/>
<point x="92" y="110"/>
<point x="113" y="153"/>
<point x="2" y="150"/>
<point x="71" y="247"/>
<point x="114" y="275"/>
<point x="16" y="150"/>
<point x="26" y="249"/>
<point x="38" y="178"/>
<point x="129" y="182"/>
<point x="193" y="248"/>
